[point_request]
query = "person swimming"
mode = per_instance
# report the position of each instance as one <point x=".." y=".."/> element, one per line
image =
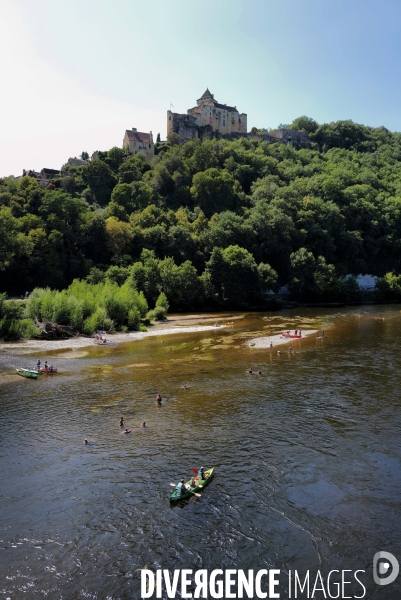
<point x="144" y="424"/>
<point x="127" y="430"/>
<point x="250" y="370"/>
<point x="86" y="442"/>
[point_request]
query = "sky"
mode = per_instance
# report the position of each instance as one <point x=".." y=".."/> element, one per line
<point x="77" y="73"/>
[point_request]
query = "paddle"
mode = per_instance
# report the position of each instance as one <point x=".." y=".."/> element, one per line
<point x="194" y="493"/>
<point x="195" y="470"/>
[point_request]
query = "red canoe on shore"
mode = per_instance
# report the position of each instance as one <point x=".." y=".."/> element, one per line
<point x="291" y="336"/>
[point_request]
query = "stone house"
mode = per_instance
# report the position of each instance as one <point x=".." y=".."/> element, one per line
<point x="43" y="177"/>
<point x="137" y="142"/>
<point x="76" y="162"/>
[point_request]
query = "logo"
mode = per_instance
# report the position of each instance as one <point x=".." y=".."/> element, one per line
<point x="386" y="564"/>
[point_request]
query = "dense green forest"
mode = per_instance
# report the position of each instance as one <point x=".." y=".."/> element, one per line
<point x="215" y="223"/>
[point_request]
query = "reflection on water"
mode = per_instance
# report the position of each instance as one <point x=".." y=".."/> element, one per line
<point x="307" y="457"/>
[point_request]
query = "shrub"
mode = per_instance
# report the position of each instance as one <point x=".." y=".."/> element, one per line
<point x="157" y="314"/>
<point x="162" y="301"/>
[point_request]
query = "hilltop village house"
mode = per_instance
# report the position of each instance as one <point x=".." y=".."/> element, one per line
<point x="137" y="141"/>
<point x="43" y="177"/>
<point x="207" y="117"/>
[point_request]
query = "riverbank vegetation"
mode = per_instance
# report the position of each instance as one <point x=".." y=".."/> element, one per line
<point x="210" y="224"/>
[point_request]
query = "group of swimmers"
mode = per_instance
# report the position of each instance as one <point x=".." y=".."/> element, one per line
<point x="183" y="489"/>
<point x="126" y="431"/>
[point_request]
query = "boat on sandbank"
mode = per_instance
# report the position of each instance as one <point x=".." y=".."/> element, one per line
<point x="28" y="373"/>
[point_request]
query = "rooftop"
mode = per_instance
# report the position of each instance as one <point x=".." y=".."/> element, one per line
<point x="138" y="136"/>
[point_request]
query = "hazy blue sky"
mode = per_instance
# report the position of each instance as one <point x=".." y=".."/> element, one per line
<point x="76" y="74"/>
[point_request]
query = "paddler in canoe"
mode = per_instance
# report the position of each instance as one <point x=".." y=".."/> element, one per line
<point x="185" y="490"/>
<point x="181" y="487"/>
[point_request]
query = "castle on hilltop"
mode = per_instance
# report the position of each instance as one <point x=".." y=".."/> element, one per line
<point x="210" y="119"/>
<point x="206" y="118"/>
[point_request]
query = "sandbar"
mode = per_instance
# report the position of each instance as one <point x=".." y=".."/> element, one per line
<point x="276" y="340"/>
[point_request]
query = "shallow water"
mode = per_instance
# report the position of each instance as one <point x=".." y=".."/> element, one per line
<point x="307" y="457"/>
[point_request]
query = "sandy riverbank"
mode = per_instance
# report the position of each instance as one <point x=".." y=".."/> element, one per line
<point x="276" y="340"/>
<point x="173" y="325"/>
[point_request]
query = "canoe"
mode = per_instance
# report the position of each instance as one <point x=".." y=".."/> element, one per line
<point x="297" y="337"/>
<point x="27" y="373"/>
<point x="200" y="484"/>
<point x="100" y="343"/>
<point x="37" y="371"/>
<point x="48" y="371"/>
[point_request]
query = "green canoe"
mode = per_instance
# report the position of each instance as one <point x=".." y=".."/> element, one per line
<point x="200" y="484"/>
<point x="27" y="373"/>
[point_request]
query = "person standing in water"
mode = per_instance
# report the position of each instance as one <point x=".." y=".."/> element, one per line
<point x="158" y="399"/>
<point x="121" y="422"/>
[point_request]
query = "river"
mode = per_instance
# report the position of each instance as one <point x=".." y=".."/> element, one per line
<point x="307" y="457"/>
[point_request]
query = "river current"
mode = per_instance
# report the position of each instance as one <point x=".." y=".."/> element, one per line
<point x="306" y="456"/>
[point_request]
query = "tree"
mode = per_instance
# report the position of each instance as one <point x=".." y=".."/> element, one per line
<point x="303" y="265"/>
<point x="115" y="157"/>
<point x="122" y="195"/>
<point x="389" y="287"/>
<point x="119" y="236"/>
<point x="12" y="242"/>
<point x="304" y="123"/>
<point x="142" y="195"/>
<point x="233" y="275"/>
<point x="100" y="179"/>
<point x="131" y="169"/>
<point x="173" y="138"/>
<point x="213" y="191"/>
<point x="269" y="278"/>
<point x="84" y="156"/>
<point x="327" y="283"/>
<point x="158" y="138"/>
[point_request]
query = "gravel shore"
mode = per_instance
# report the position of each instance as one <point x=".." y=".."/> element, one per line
<point x="28" y="346"/>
